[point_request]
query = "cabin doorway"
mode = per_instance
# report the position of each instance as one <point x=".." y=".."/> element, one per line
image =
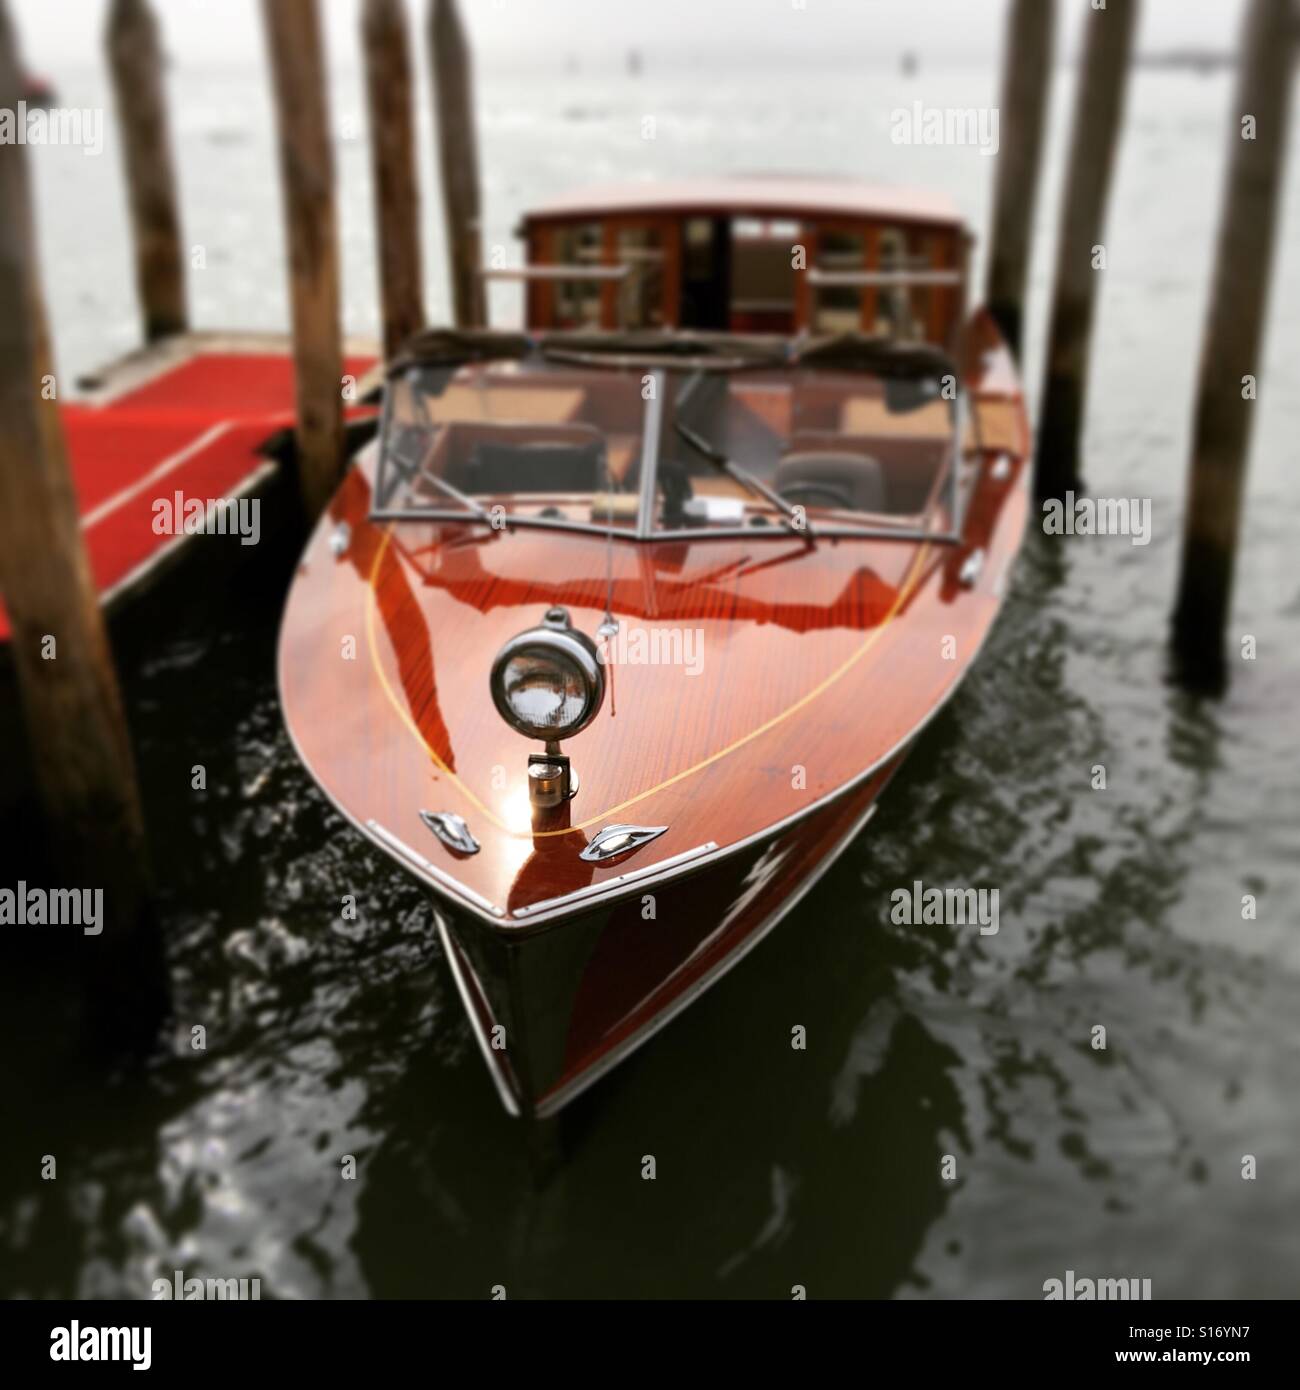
<point x="706" y="274"/>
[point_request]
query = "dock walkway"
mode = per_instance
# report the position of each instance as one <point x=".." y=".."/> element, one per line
<point x="192" y="415"/>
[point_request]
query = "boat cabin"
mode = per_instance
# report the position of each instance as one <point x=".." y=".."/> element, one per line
<point x="755" y="255"/>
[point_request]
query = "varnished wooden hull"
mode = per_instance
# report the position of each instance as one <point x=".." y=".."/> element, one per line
<point x="554" y="1012"/>
<point x="822" y="664"/>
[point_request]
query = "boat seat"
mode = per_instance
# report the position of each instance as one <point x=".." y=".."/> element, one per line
<point x="832" y="480"/>
<point x="500" y="459"/>
<point x="910" y="466"/>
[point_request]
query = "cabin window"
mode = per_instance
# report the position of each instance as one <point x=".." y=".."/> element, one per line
<point x="577" y="302"/>
<point x="763" y="275"/>
<point x="904" y="312"/>
<point x="641" y="303"/>
<point x="839" y="307"/>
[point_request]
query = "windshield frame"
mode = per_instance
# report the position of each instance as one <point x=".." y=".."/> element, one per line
<point x="656" y="359"/>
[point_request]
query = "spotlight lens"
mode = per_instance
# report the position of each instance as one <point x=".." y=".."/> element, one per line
<point x="547" y="682"/>
<point x="545" y="693"/>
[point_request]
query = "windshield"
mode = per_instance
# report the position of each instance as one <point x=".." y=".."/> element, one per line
<point x="523" y="440"/>
<point x="666" y="443"/>
<point x="806" y="446"/>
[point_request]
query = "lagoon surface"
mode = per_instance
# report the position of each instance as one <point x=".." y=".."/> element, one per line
<point x="1119" y="907"/>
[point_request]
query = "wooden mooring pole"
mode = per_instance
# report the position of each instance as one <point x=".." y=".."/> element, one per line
<point x="1099" y="104"/>
<point x="307" y="176"/>
<point x="453" y="96"/>
<point x="76" y="729"/>
<point x="390" y="93"/>
<point x="1226" y="395"/>
<point x="1026" y="81"/>
<point x="136" y="62"/>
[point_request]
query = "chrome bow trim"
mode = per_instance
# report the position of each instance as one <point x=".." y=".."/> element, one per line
<point x="443" y="879"/>
<point x="607" y="886"/>
<point x="619" y="839"/>
<point x="971" y="568"/>
<point x="451" y="830"/>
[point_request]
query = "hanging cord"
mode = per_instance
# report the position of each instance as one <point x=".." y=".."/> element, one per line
<point x="609" y="627"/>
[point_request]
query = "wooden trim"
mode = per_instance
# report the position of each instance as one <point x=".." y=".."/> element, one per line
<point x="672" y="241"/>
<point x="871" y="295"/>
<point x="541" y="296"/>
<point x="809" y="239"/>
<point x="610" y="290"/>
<point x="940" y="310"/>
<point x="782" y="212"/>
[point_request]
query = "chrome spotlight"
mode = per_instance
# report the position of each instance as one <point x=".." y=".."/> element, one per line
<point x="548" y="683"/>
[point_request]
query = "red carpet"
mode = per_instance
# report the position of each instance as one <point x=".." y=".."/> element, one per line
<point x="224" y="385"/>
<point x="195" y="429"/>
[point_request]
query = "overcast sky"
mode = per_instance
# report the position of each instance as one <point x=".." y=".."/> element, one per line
<point x="509" y="33"/>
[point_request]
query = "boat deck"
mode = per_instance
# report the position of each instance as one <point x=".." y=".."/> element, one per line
<point x="192" y="415"/>
<point x="830" y="657"/>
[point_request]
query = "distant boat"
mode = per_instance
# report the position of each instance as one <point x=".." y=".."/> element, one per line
<point x="1201" y="61"/>
<point x="909" y="63"/>
<point x="635" y="63"/>
<point x="37" y="91"/>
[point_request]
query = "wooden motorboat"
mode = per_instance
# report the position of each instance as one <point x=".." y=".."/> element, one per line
<point x="615" y="636"/>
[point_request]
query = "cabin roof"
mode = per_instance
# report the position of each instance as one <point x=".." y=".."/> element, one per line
<point x="765" y="196"/>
